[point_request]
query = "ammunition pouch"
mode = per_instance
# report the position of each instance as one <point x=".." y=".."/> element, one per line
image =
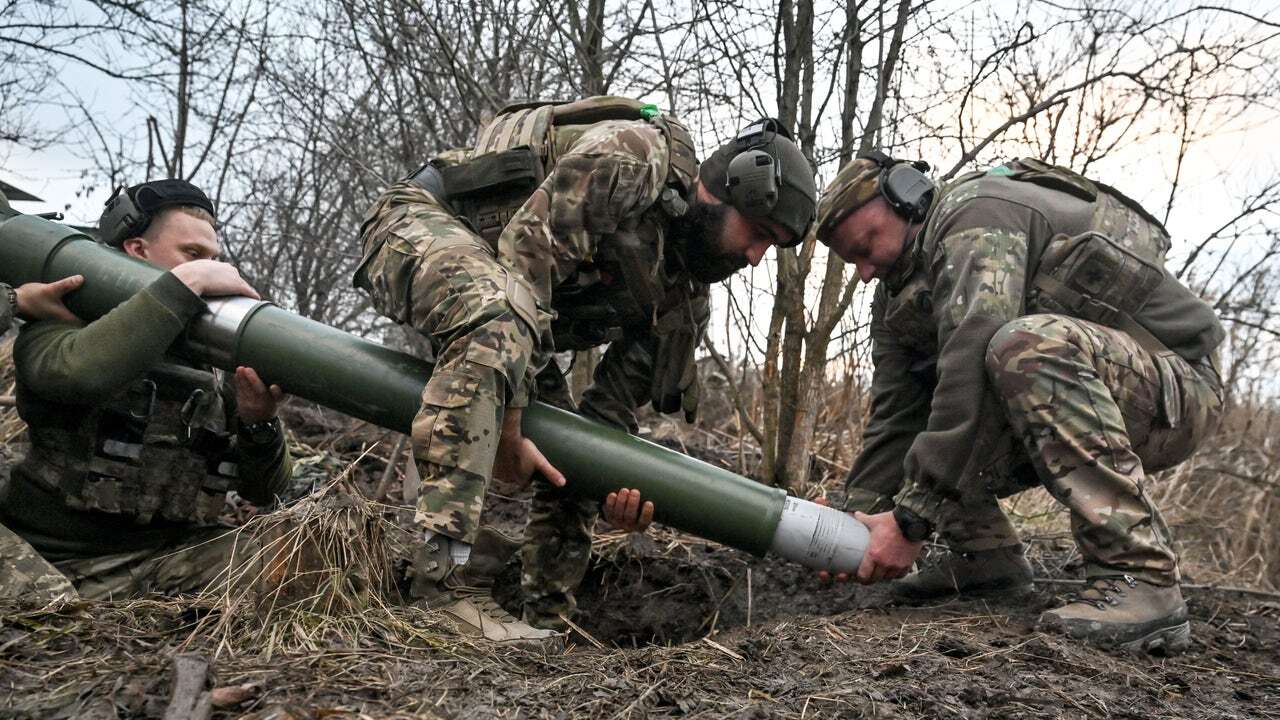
<point x="487" y="190"/>
<point x="1092" y="277"/>
<point x="159" y="451"/>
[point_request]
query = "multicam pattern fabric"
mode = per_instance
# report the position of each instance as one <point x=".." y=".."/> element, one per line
<point x="1009" y="397"/>
<point x="28" y="577"/>
<point x="488" y="312"/>
<point x="857" y="183"/>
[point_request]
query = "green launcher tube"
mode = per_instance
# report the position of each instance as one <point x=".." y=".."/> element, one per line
<point x="383" y="386"/>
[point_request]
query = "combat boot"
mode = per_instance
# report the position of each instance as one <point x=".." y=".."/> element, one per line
<point x="1002" y="571"/>
<point x="1123" y="612"/>
<point x="438" y="583"/>
<point x="489" y="555"/>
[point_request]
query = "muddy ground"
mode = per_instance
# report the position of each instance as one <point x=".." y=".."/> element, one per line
<point x="676" y="628"/>
<point x="671" y="627"/>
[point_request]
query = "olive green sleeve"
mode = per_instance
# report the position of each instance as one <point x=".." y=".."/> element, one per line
<point x="621" y="383"/>
<point x="977" y="261"/>
<point x="87" y="364"/>
<point x="7" y="309"/>
<point x="900" y="393"/>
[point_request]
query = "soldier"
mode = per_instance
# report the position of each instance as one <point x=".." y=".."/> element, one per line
<point x="132" y="452"/>
<point x="1025" y="331"/>
<point x="566" y="227"/>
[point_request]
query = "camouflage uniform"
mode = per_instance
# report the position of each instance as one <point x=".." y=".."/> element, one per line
<point x="985" y="384"/>
<point x="495" y="314"/>
<point x="131" y="457"/>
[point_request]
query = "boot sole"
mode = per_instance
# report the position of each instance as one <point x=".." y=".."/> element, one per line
<point x="1168" y="640"/>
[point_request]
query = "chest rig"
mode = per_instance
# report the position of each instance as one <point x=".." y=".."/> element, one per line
<point x="158" y="451"/>
<point x="627" y="279"/>
<point x="1106" y="274"/>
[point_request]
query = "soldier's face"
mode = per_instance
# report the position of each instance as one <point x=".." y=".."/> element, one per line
<point x="872" y="239"/>
<point x="721" y="241"/>
<point x="174" y="238"/>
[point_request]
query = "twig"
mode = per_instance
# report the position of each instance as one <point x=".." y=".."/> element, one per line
<point x="574" y="627"/>
<point x="389" y="474"/>
<point x="8" y="401"/>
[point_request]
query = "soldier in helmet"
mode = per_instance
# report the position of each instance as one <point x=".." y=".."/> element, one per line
<point x="132" y="451"/>
<point x="566" y="227"/>
<point x="1025" y="332"/>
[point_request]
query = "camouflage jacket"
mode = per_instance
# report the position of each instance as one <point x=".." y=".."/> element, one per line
<point x="969" y="272"/>
<point x="601" y="192"/>
<point x="124" y="440"/>
<point x="7" y="310"/>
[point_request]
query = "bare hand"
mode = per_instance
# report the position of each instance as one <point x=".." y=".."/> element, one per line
<point x="889" y="555"/>
<point x="210" y="278"/>
<point x="43" y="301"/>
<point x="518" y="458"/>
<point x="623" y="510"/>
<point x="255" y="402"/>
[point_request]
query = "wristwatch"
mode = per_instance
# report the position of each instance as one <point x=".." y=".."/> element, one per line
<point x="914" y="528"/>
<point x="11" y="297"/>
<point x="263" y="432"/>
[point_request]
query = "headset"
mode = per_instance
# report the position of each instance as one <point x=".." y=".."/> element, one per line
<point x="754" y="176"/>
<point x="121" y="219"/>
<point x="903" y="185"/>
<point x="129" y="211"/>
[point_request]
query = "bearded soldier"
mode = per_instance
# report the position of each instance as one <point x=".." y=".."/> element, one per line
<point x="133" y="451"/>
<point x="1025" y="331"/>
<point x="566" y="227"/>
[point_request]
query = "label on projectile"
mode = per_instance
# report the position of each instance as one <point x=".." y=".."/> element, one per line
<point x="819" y="537"/>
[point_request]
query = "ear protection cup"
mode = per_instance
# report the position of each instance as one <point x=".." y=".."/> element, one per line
<point x="121" y="218"/>
<point x="753" y="180"/>
<point x="754" y="177"/>
<point x="904" y="185"/>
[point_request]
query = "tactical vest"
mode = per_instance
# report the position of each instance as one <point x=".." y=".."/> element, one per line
<point x="158" y="451"/>
<point x="1114" y="273"/>
<point x="626" y="281"/>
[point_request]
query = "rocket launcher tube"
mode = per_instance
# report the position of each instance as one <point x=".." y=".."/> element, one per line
<point x="383" y="386"/>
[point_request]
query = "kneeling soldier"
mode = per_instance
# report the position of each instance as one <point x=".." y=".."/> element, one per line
<point x="1025" y="331"/>
<point x="133" y="451"/>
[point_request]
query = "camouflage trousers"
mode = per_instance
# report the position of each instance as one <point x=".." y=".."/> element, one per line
<point x="1085" y="411"/>
<point x="198" y="561"/>
<point x="425" y="268"/>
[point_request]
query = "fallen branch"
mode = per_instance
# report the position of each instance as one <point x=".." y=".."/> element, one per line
<point x="190" y="699"/>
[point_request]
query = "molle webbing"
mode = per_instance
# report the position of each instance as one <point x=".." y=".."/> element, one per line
<point x="527" y="126"/>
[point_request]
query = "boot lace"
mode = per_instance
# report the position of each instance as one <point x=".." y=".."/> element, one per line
<point x="483" y="599"/>
<point x="1103" y="592"/>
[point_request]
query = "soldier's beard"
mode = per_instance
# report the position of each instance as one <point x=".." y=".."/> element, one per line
<point x="698" y="235"/>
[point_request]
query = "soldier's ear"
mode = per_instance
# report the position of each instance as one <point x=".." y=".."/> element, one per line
<point x="135" y="247"/>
